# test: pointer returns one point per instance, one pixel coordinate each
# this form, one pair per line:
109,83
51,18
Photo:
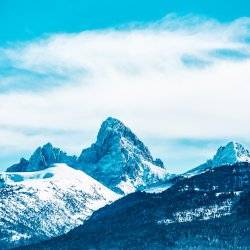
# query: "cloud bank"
177,78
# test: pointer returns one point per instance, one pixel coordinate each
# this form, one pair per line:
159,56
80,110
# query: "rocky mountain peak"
119,159
231,153
114,132
42,158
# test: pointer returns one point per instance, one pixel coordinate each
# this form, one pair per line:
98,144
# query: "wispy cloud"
177,78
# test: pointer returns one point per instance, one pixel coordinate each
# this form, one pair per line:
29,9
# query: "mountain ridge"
204,211
42,158
47,203
43,191
229,154
118,159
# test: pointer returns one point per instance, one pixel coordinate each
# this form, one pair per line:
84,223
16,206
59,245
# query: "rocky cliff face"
42,158
119,160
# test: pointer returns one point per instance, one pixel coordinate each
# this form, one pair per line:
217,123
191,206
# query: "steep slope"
206,211
119,160
39,205
230,154
42,158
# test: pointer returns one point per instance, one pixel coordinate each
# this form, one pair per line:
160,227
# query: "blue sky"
176,73
27,19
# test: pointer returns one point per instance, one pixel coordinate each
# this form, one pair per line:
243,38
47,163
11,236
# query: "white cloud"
136,74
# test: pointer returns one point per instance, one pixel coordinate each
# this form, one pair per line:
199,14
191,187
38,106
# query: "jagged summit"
114,131
109,128
112,123
231,153
114,127
120,160
42,158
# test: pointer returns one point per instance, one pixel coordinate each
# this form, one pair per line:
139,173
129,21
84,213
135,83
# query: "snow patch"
19,236
201,213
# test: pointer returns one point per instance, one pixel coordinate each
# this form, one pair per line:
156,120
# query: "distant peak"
111,122
48,145
113,130
112,119
23,160
112,126
233,147
231,153
41,150
230,146
43,157
238,146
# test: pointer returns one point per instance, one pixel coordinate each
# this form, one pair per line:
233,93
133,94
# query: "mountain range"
118,159
207,211
54,194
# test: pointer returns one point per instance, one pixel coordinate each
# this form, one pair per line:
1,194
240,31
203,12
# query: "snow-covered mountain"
43,204
229,154
50,194
42,158
119,160
205,211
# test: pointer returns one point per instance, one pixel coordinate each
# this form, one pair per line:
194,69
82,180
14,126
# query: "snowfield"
44,204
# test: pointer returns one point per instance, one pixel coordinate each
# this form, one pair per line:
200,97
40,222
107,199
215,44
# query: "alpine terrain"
42,158
115,195
119,160
50,194
207,211
230,154
38,205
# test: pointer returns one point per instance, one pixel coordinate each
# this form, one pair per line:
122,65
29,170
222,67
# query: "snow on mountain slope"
206,211
119,160
159,188
230,154
39,205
